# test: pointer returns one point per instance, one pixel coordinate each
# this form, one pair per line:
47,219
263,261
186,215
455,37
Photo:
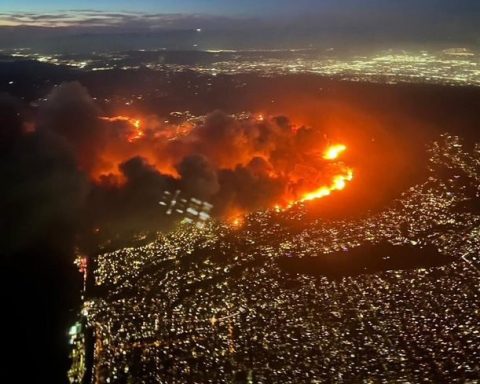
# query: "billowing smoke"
43,191
71,114
70,167
198,177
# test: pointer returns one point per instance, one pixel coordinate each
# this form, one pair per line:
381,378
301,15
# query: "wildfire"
318,174
339,182
138,133
136,125
236,220
334,151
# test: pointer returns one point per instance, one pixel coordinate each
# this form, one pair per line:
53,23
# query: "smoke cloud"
68,166
43,191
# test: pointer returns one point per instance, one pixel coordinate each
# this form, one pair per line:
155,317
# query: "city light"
246,304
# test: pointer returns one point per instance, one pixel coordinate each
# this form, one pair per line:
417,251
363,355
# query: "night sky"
233,24
225,7
308,20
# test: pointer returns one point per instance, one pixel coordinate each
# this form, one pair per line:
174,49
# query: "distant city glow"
454,66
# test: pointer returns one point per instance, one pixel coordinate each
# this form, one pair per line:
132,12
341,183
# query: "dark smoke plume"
42,200
198,177
68,166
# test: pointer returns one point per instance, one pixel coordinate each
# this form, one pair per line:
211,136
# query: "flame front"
334,151
339,182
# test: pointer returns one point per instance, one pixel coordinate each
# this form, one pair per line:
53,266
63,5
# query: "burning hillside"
239,163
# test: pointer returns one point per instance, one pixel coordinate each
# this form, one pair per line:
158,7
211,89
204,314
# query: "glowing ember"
138,131
117,118
237,222
334,151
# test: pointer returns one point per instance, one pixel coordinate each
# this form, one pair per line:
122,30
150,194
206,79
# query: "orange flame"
236,222
138,134
334,151
136,124
339,182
